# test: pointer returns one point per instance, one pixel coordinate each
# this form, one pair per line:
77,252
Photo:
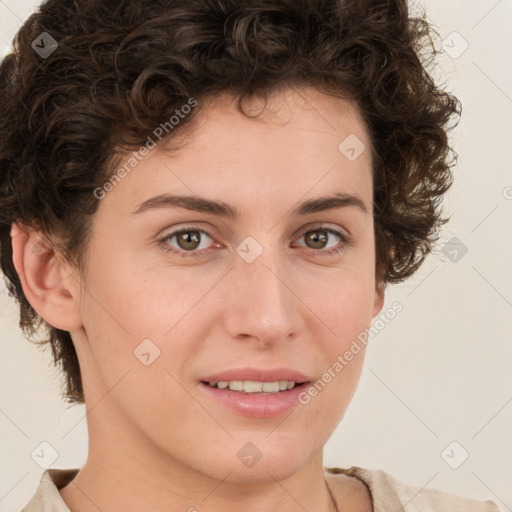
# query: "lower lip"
256,405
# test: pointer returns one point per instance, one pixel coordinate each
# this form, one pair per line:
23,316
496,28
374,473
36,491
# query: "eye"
188,240
318,239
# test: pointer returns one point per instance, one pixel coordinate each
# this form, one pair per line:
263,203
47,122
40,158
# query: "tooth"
270,387
236,385
252,386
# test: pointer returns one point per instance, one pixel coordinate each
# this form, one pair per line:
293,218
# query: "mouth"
251,386
254,399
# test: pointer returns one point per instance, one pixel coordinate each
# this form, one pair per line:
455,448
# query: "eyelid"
199,226
343,234
323,225
171,234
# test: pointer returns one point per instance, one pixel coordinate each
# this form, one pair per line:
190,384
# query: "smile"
250,386
254,399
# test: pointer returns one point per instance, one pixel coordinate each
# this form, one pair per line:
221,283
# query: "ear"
379,298
47,284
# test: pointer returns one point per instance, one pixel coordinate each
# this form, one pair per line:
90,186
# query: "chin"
275,468
256,458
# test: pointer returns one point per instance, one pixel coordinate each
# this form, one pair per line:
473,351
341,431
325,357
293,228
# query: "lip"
256,405
258,375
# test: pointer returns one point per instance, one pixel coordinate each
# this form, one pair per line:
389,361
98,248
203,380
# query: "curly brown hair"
122,68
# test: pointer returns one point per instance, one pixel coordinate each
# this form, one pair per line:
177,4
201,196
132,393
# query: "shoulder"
389,493
47,496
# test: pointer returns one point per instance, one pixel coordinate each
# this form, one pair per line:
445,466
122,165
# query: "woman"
203,202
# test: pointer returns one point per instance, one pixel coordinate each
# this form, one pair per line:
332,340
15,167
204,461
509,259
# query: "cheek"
142,319
128,302
130,356
328,398
341,313
341,300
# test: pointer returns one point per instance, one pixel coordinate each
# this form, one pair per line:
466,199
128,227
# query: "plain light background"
437,381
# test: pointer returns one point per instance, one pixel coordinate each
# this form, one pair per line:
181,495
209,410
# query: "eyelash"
346,241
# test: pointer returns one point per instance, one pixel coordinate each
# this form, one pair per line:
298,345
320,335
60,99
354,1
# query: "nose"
263,305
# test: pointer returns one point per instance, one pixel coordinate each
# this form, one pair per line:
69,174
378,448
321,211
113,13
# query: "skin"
156,441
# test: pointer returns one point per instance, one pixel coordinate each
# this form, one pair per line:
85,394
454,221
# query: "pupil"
189,239
315,238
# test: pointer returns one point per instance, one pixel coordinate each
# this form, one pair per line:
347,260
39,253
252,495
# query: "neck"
111,486
125,471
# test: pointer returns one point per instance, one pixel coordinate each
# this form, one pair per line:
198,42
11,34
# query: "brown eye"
317,239
188,240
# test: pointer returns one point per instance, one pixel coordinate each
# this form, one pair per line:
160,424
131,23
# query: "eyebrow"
222,209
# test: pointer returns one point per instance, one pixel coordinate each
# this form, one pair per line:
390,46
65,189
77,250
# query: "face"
271,292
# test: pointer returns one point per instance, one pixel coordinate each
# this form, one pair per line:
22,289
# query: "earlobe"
51,291
379,298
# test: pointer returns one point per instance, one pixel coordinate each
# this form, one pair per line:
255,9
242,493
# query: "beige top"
388,493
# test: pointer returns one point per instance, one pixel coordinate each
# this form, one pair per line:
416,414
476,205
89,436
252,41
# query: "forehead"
303,112
295,142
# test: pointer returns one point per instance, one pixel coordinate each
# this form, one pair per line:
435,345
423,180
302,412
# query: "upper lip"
258,375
